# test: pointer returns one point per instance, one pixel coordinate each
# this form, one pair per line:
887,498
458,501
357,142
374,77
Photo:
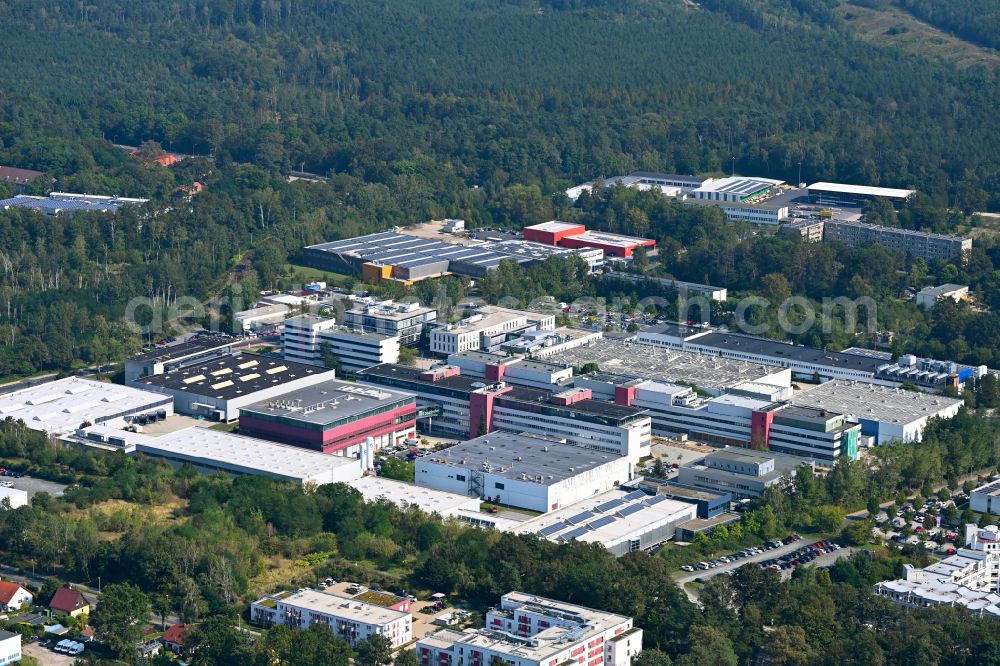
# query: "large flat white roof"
343,607
555,226
61,406
862,190
244,455
887,404
373,488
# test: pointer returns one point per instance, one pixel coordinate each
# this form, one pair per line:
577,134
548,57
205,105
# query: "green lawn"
305,274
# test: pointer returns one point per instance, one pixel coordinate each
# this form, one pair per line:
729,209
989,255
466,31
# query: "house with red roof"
175,637
69,602
13,596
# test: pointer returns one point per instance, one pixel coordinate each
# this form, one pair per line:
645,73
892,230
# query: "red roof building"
175,636
69,602
13,596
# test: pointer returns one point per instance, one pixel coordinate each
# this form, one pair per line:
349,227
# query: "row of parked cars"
746,552
66,646
803,555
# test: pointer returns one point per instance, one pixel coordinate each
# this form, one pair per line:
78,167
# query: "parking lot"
34,486
789,550
45,656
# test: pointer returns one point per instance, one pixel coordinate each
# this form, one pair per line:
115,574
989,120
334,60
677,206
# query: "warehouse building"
811,362
854,196
986,498
70,204
487,329
928,297
63,406
408,495
667,184
709,372
970,577
217,388
167,359
522,470
333,417
406,321
742,473
210,451
533,631
736,189
576,236
303,338
466,407
347,618
621,521
922,244
887,414
542,344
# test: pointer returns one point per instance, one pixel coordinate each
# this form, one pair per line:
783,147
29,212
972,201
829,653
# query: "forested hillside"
975,20
419,109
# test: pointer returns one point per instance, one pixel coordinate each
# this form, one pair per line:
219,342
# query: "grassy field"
304,274
891,26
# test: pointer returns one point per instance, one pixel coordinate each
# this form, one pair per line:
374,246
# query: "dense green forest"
975,20
480,110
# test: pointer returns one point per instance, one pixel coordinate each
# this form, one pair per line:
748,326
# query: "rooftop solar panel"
629,510
600,522
569,536
634,495
552,529
607,506
653,501
580,517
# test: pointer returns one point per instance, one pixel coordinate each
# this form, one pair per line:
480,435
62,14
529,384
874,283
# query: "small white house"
10,647
13,596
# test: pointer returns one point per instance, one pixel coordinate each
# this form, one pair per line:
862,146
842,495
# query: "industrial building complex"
70,204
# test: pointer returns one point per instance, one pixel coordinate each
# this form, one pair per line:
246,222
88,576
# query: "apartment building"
916,243
525,630
347,618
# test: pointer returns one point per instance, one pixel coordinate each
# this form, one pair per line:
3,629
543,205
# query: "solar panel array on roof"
634,495
607,506
572,534
600,522
580,517
629,510
653,501
552,529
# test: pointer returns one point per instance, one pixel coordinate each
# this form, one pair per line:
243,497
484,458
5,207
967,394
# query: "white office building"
264,316
10,647
304,336
520,470
929,296
970,577
526,630
515,370
986,498
487,329
347,618
405,321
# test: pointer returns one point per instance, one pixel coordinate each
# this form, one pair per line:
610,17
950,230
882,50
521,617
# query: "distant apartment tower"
533,631
916,243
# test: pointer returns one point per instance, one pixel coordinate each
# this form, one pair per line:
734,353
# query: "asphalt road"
34,486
